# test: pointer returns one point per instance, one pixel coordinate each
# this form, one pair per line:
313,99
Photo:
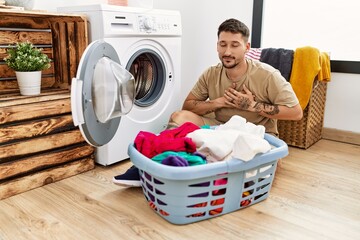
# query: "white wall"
52,5
329,25
342,109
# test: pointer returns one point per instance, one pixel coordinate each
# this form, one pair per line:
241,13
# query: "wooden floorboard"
315,195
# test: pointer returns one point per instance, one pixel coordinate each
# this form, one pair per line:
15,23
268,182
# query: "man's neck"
236,73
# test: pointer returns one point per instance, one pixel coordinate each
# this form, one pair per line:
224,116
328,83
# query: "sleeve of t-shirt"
200,89
282,91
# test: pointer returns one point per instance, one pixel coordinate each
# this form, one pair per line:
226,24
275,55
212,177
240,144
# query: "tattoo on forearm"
258,107
196,102
273,110
267,108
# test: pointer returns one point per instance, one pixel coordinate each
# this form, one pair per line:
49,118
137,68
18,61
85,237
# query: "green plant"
24,57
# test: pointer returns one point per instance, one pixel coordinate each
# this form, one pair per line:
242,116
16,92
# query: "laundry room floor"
315,195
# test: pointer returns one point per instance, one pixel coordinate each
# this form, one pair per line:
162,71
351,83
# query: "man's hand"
243,100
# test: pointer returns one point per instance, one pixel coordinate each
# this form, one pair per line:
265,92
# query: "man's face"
231,49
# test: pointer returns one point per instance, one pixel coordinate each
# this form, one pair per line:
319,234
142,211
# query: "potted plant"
27,4
27,61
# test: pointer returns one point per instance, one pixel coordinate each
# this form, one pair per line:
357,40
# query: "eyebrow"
231,42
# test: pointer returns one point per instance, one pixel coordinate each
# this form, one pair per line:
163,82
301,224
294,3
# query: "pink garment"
254,53
175,140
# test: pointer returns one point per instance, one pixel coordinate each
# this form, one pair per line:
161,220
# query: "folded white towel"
236,138
239,123
246,146
215,145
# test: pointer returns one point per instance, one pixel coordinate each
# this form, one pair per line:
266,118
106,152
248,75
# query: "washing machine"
128,78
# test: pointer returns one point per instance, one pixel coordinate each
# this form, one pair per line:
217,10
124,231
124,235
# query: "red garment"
175,140
180,131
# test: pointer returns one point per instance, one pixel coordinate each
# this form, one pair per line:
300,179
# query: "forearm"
277,111
201,107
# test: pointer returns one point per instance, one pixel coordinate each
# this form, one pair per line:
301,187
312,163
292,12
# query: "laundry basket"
307,131
184,195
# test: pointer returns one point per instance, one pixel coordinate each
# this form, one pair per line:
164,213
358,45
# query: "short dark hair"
234,26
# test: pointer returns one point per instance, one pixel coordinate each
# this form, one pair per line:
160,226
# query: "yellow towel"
325,72
305,67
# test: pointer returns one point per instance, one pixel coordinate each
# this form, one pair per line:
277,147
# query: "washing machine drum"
101,93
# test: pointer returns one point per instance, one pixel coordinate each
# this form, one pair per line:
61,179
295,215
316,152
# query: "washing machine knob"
148,24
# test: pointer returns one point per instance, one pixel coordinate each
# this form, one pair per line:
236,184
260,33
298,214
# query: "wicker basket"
308,130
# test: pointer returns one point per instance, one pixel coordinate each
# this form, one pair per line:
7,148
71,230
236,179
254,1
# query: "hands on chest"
243,99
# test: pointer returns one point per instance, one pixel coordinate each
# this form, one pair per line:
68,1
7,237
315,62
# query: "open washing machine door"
101,93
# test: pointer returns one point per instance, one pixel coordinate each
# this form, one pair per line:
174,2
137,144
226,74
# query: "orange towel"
305,68
325,72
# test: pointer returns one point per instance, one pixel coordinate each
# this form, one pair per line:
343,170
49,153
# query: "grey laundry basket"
184,195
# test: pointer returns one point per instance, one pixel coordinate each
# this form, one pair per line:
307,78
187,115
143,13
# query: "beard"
227,64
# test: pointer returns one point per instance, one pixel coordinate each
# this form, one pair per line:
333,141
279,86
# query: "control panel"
113,21
157,24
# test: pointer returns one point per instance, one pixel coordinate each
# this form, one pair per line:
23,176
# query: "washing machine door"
101,93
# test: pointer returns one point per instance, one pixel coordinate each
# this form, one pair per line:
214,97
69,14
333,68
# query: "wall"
342,110
45,5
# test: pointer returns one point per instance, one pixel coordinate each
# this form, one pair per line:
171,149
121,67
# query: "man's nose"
227,51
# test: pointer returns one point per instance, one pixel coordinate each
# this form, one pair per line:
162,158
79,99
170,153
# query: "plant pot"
27,4
29,82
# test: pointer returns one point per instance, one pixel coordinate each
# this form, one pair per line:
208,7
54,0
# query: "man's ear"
247,46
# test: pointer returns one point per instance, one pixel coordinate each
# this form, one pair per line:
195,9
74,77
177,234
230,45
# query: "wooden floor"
315,195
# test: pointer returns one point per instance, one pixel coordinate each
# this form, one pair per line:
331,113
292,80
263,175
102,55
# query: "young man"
236,86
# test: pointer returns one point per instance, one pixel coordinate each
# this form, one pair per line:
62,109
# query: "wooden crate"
38,142
308,130
63,38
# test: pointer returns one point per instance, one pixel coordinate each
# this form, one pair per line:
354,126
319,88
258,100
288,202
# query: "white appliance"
147,43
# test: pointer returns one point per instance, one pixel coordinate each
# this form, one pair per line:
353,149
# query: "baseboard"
341,135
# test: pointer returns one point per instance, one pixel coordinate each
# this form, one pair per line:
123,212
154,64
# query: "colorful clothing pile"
171,147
